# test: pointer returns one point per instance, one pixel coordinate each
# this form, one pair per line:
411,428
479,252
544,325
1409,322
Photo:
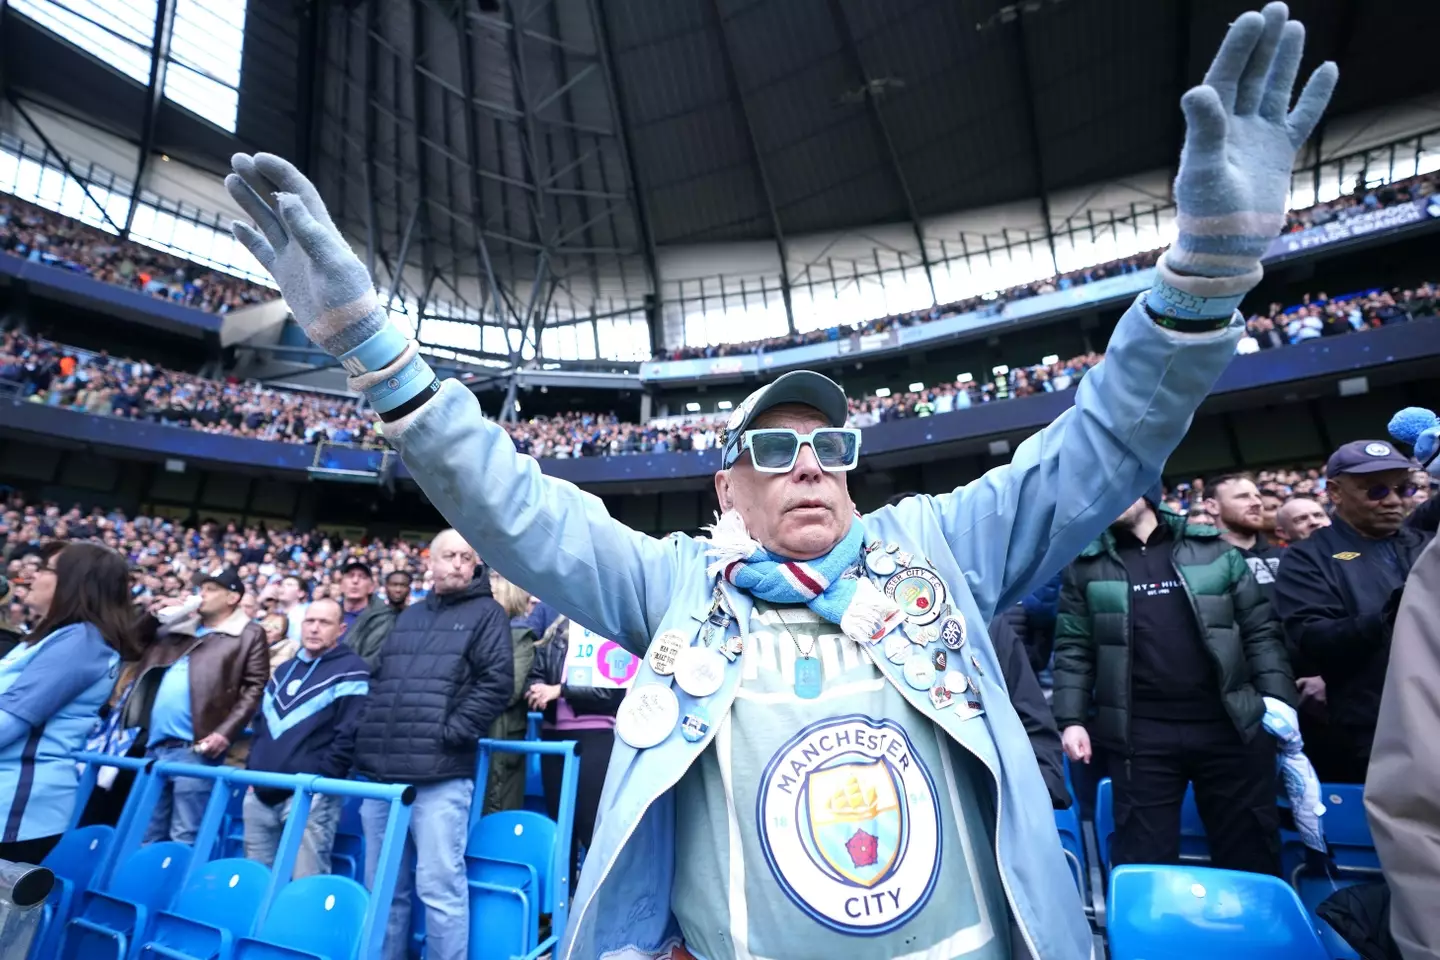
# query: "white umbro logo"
1377,450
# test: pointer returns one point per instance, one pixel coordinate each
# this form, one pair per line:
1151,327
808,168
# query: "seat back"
150,876
1180,912
1194,845
322,915
1347,830
224,893
1067,822
520,836
78,854
1104,820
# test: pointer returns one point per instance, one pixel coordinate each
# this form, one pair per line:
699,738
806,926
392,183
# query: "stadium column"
154,95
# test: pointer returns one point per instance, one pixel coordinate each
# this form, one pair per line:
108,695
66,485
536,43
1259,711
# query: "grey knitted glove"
325,284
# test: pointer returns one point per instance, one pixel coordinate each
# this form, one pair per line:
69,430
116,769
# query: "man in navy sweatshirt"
307,721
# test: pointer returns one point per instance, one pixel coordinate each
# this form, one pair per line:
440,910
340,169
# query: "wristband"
411,405
1170,302
375,353
412,380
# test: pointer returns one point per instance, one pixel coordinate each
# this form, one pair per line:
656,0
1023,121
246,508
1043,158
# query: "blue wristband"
382,348
1166,300
407,383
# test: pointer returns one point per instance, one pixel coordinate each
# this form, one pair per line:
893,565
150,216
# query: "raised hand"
1241,140
325,284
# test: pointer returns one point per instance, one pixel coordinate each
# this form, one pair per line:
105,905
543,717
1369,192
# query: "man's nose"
807,465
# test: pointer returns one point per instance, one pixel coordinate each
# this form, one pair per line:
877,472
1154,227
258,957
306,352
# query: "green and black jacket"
1093,633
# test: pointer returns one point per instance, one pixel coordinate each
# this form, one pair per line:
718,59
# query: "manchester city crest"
850,825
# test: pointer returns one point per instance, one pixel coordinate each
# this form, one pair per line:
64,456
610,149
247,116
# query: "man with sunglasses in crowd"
817,756
1337,593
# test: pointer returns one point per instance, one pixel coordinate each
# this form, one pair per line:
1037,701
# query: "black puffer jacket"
443,676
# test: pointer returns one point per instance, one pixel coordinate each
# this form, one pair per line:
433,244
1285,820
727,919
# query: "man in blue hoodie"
307,721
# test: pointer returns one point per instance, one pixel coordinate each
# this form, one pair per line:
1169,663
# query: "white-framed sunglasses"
775,449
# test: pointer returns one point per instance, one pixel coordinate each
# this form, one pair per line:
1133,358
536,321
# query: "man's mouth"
808,505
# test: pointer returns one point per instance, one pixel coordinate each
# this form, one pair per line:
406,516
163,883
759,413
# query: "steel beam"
620,118
64,163
372,214
422,173
314,43
882,131
732,84
154,96
1032,128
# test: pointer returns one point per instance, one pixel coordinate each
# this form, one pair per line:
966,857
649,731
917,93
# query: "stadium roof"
545,148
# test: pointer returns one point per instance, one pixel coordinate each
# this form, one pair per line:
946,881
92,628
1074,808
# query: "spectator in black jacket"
1007,634
575,709
1235,504
1337,593
307,721
445,673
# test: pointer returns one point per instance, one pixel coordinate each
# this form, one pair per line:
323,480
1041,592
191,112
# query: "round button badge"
952,633
664,650
919,594
699,671
919,671
647,715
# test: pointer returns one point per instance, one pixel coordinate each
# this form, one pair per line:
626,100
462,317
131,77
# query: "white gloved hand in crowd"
1302,785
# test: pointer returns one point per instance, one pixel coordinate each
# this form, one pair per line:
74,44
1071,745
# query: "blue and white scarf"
852,602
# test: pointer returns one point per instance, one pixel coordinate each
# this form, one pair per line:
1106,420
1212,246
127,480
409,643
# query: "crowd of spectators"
988,304
1362,199
97,383
36,234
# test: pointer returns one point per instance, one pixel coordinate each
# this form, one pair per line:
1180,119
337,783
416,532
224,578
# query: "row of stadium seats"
116,899
1160,912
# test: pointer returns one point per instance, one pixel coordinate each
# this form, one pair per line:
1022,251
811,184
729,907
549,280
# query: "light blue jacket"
991,542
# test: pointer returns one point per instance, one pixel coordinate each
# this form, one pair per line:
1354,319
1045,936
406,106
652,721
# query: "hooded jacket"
368,632
445,673
1093,637
991,541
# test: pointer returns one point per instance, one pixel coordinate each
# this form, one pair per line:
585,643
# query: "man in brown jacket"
200,683
1402,790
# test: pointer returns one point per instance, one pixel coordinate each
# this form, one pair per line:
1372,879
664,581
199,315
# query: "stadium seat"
74,861
509,865
1194,845
112,924
534,785
1104,821
347,857
317,917
218,904
1068,823
1347,833
1184,912
232,827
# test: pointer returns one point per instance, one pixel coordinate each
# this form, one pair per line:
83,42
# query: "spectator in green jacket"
1165,646
368,619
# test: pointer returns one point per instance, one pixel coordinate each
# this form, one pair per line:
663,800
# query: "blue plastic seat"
1194,845
1347,833
1183,912
218,905
113,923
1104,821
317,917
74,861
509,866
232,826
1067,822
347,857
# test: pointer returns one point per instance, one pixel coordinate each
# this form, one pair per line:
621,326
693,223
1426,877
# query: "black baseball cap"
1367,456
798,386
354,564
227,577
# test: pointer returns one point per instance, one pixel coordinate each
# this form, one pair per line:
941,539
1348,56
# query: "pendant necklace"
808,679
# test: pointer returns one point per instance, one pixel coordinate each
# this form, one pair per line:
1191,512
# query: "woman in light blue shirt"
51,689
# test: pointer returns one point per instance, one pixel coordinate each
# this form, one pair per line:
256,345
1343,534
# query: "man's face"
397,589
1299,518
216,601
250,604
1237,505
290,591
452,562
1270,504
1372,503
321,629
357,585
800,514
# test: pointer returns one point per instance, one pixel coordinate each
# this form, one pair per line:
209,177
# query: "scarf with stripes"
852,602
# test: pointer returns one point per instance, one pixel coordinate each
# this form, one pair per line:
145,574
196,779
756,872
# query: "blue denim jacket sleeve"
545,534
1020,523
